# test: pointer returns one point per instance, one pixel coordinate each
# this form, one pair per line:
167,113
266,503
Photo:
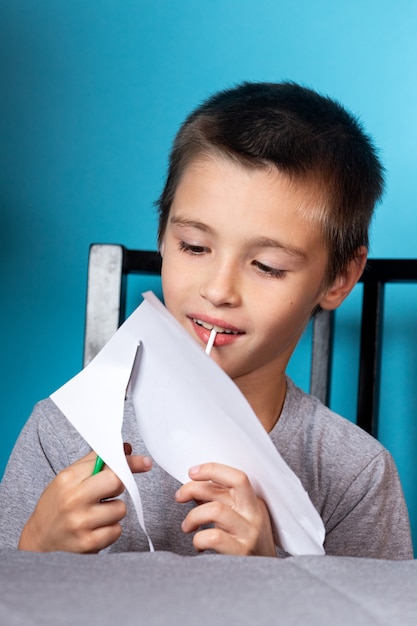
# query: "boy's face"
239,255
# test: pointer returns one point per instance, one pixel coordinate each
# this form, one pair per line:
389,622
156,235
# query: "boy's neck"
266,397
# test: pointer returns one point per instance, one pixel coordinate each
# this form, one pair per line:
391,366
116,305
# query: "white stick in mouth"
211,341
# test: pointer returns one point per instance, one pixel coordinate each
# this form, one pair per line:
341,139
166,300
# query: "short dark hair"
303,134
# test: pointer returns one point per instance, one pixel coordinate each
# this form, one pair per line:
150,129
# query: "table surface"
160,589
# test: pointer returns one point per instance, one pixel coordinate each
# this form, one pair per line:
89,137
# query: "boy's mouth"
218,329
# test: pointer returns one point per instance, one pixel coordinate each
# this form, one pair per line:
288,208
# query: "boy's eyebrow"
267,242
182,221
257,242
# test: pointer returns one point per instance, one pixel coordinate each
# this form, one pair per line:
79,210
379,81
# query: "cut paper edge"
93,402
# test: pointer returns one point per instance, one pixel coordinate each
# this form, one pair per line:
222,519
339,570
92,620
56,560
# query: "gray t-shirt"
350,478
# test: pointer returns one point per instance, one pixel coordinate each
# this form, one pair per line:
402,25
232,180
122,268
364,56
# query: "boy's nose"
220,286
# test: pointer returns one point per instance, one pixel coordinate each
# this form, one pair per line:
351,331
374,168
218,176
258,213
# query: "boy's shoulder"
306,422
331,455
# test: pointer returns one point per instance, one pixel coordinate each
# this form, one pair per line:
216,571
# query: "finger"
86,458
215,513
203,491
107,513
232,533
106,536
85,464
76,473
139,463
84,467
127,448
219,541
101,486
107,484
240,488
93,541
219,473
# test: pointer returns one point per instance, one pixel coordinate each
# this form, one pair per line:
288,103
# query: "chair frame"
110,264
377,274
108,268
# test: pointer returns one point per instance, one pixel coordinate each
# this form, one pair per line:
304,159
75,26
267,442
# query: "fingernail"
194,470
147,462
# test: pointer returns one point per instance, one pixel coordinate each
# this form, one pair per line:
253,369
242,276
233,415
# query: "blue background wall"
91,94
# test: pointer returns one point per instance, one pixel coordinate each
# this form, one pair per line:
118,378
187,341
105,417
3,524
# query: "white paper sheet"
189,412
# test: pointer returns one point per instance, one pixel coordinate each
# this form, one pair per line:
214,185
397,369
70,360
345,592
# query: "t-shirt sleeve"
371,518
38,455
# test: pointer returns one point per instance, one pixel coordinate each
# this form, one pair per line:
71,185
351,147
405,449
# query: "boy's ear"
161,248
345,282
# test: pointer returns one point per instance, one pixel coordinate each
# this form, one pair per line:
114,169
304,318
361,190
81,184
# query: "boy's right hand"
71,515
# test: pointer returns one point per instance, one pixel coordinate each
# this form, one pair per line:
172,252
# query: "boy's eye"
268,271
191,248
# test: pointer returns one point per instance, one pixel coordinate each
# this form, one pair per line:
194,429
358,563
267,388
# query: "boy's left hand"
241,520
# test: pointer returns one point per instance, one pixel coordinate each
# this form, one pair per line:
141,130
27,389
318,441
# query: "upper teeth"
218,329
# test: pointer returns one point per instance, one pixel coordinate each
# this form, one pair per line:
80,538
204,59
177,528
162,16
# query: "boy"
264,219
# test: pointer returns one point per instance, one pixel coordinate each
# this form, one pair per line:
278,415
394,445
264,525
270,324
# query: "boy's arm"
241,522
38,455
